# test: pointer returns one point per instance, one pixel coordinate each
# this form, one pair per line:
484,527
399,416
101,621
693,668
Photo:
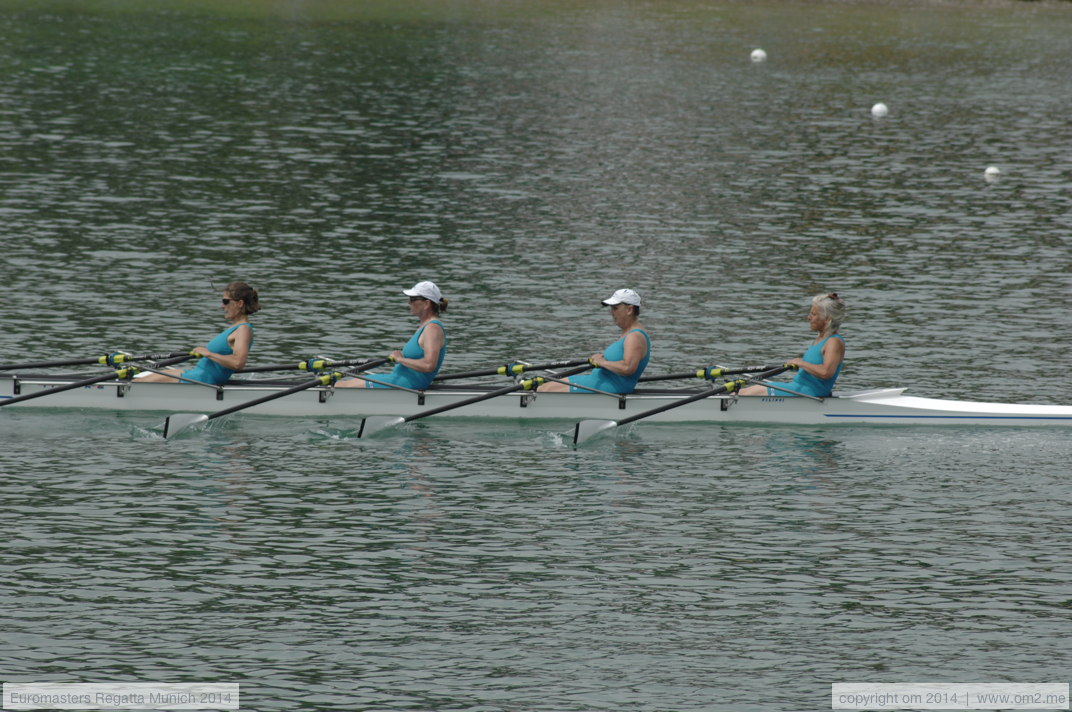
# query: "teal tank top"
406,376
808,384
207,370
605,380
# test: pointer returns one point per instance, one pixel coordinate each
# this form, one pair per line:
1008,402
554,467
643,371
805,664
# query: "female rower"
821,363
229,350
620,365
418,362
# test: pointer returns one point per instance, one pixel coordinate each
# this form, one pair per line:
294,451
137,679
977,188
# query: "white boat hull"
887,406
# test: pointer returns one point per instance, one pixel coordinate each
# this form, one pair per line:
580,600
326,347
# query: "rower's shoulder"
837,345
432,326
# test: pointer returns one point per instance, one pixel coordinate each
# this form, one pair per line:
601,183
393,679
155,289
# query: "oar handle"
512,369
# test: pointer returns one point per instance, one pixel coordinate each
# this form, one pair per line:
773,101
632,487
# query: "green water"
531,158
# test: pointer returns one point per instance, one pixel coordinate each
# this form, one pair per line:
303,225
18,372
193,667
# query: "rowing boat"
883,405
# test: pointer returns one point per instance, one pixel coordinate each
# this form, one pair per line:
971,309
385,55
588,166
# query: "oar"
708,373
313,364
511,369
587,428
175,424
120,374
112,359
375,423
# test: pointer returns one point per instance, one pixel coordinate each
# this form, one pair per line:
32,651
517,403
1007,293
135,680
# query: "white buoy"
991,174
879,110
759,55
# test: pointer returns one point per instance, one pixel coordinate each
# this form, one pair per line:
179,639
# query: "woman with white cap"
621,364
418,362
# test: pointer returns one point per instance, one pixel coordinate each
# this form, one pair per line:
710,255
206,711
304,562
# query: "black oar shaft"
266,369
307,365
106,360
715,390
120,374
323,380
512,369
707,372
724,388
490,394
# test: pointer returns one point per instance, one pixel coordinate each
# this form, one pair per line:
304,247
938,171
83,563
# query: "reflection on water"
300,562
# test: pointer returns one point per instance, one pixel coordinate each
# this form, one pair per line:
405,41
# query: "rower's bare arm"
635,348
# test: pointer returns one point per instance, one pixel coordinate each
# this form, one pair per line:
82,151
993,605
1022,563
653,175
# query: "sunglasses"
418,299
227,301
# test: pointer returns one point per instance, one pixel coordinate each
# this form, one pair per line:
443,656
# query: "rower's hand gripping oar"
375,423
121,374
175,424
112,359
585,429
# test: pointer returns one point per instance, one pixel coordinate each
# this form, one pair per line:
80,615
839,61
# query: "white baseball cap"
623,296
426,289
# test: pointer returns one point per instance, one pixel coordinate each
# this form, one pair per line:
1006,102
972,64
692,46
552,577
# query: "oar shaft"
266,369
724,388
512,369
307,365
106,360
66,387
707,372
714,390
490,394
467,401
120,374
324,380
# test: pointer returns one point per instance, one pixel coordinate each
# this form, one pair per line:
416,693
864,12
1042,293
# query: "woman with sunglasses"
418,362
229,350
819,367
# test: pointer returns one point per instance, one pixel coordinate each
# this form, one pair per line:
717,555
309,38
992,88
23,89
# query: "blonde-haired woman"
821,363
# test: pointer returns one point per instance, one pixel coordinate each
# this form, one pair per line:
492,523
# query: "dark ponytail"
248,295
